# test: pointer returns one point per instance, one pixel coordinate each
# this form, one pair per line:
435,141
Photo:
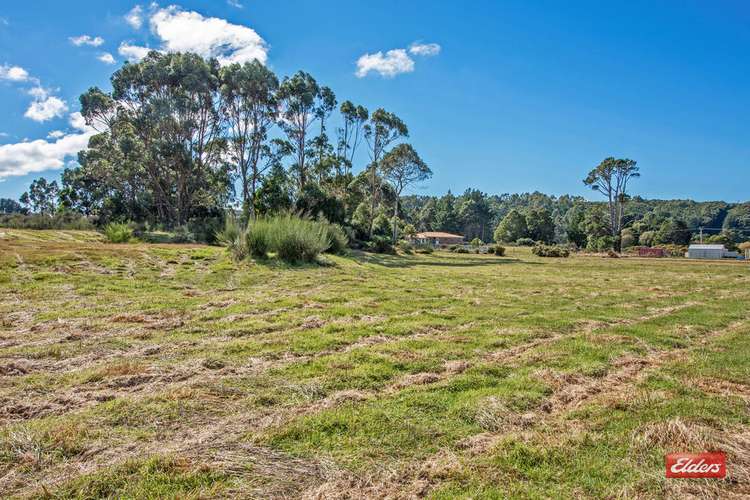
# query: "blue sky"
522,95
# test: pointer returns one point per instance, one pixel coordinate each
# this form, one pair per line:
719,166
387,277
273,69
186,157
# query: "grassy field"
170,371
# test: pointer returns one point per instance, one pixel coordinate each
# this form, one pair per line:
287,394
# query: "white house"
710,252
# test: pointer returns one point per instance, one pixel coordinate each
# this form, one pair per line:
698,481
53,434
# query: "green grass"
153,371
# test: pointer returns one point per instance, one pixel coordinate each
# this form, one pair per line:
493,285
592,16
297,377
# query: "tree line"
180,139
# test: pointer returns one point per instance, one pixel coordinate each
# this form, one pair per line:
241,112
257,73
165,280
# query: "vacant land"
170,371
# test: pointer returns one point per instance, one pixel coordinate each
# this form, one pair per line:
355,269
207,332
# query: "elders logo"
713,464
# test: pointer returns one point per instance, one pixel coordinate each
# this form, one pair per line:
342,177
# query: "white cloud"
135,17
424,49
234,3
86,40
4,21
36,156
187,31
133,53
44,107
13,73
55,134
394,62
106,58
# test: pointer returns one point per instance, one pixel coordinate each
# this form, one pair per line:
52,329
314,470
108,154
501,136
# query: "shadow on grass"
402,261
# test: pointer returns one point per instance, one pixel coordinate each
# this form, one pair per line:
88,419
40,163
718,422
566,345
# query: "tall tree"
610,178
382,130
403,166
302,103
350,134
250,108
41,196
512,227
171,102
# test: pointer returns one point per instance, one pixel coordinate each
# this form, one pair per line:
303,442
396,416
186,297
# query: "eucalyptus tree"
249,106
402,166
302,102
610,178
350,134
171,102
382,130
41,196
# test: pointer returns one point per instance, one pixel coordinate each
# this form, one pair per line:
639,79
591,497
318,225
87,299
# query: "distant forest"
573,219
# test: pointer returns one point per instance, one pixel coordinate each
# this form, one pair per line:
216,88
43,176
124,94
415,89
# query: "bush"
476,242
460,250
380,244
233,237
499,250
426,249
525,242
405,246
59,220
600,244
339,241
118,233
296,239
258,238
543,250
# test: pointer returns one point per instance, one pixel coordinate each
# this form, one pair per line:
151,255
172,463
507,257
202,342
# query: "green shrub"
543,250
476,242
233,237
296,239
59,220
405,246
499,250
380,244
424,248
460,250
118,233
339,241
525,242
258,238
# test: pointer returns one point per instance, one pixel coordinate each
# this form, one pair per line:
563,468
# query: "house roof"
438,234
706,247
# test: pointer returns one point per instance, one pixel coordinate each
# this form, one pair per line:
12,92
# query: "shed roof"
437,234
706,247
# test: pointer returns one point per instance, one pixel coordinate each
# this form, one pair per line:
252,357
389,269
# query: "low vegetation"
156,371
290,237
542,250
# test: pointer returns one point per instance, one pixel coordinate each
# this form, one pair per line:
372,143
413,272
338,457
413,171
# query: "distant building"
437,238
710,252
651,252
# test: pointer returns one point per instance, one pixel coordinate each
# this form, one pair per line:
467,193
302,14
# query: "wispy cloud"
36,156
132,53
86,40
234,3
390,64
135,17
394,62
13,73
106,58
424,49
45,106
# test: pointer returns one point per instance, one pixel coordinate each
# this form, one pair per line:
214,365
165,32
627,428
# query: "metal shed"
706,252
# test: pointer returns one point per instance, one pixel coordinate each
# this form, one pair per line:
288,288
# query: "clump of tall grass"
233,237
292,238
295,239
118,233
339,241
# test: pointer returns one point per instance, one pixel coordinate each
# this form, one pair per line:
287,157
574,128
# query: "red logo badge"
710,464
